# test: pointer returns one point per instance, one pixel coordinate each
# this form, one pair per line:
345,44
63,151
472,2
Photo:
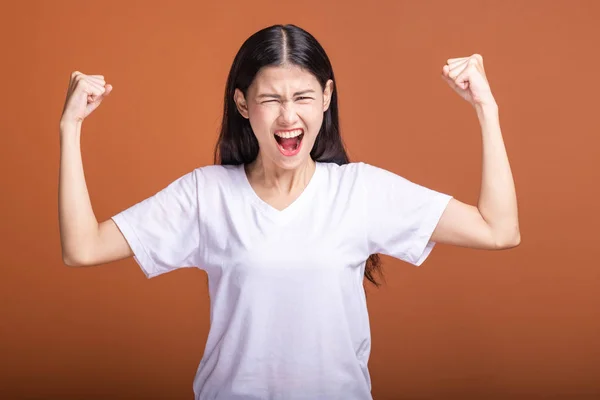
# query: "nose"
288,115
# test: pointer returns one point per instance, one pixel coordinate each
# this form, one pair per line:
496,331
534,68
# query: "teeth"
289,134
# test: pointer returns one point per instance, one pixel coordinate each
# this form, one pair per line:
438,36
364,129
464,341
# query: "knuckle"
82,85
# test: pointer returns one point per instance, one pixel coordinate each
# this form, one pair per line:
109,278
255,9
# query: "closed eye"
298,98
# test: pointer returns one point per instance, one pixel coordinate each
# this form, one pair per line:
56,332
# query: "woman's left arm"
494,223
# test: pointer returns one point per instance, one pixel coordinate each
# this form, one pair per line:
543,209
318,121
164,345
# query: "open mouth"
289,143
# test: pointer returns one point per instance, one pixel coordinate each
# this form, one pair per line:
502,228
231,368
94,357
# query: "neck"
271,177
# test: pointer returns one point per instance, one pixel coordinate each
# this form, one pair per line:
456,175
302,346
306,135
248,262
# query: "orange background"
468,324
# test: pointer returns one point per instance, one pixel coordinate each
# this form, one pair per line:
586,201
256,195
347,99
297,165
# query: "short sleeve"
163,230
401,215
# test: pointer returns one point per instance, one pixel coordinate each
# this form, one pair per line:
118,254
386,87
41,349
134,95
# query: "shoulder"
217,173
205,176
346,180
368,178
350,169
355,171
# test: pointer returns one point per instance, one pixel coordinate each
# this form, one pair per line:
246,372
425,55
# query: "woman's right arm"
84,241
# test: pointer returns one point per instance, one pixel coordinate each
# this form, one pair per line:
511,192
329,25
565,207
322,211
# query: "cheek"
314,120
261,120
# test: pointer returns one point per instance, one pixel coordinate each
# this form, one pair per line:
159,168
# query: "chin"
291,163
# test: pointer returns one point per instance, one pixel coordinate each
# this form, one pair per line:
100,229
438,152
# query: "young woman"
284,225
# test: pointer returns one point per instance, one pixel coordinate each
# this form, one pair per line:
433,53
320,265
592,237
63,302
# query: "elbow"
514,242
71,261
509,241
76,254
67,257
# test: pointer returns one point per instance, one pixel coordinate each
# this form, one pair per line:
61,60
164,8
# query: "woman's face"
285,106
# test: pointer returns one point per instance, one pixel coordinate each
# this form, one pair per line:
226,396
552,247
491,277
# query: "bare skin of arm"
494,223
84,241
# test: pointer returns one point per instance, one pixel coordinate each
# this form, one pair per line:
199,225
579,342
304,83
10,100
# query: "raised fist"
85,94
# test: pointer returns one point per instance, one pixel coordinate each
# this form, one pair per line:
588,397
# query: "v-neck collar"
272,212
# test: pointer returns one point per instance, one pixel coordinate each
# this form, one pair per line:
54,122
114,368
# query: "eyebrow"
276,96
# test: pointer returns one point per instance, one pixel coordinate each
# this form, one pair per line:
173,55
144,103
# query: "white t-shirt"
288,313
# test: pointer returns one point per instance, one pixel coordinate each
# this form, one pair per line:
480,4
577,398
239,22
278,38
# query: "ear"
240,102
327,93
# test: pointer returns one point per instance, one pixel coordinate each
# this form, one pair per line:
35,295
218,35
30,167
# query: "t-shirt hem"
418,254
141,256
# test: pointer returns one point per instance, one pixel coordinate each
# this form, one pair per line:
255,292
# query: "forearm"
77,222
497,200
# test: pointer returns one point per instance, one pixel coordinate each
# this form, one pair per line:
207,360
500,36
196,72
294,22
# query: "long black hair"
274,46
